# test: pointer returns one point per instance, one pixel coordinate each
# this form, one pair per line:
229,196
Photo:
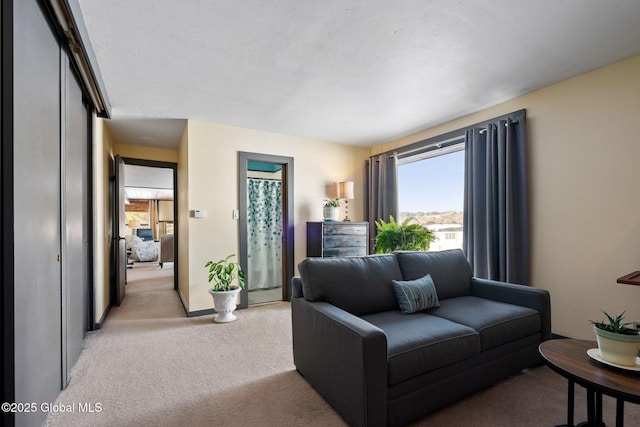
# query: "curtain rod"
507,123
459,133
376,157
265,179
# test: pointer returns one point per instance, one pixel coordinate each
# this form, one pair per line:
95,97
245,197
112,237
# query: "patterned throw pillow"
416,295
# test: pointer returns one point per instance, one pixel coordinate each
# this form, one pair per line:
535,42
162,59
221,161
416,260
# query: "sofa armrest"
525,296
296,287
344,358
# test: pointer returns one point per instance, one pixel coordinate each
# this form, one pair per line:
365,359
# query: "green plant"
615,325
223,273
331,203
397,237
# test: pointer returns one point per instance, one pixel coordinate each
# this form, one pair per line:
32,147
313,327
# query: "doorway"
266,227
145,214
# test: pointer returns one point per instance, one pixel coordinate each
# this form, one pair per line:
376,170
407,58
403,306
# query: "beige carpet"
152,366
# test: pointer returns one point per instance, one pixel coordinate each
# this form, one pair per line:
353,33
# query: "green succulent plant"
615,325
402,237
222,273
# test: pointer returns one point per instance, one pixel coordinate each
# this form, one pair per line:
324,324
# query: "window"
431,192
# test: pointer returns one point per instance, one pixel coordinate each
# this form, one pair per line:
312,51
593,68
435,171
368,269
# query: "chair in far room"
144,233
166,249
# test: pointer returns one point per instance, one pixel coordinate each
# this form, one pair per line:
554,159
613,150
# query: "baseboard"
184,306
200,312
206,312
99,324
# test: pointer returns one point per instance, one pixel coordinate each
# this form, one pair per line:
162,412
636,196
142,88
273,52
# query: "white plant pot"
224,302
330,213
617,348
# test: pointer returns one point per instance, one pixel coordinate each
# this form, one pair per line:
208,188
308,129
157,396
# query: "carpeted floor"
150,365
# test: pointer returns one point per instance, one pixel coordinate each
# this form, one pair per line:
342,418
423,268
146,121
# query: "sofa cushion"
450,270
359,285
498,323
421,343
416,295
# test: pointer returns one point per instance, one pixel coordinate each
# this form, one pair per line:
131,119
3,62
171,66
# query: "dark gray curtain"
496,226
381,189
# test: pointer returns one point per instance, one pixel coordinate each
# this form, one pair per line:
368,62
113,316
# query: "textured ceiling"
145,182
358,72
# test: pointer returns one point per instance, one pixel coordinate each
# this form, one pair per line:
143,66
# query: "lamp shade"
134,224
346,190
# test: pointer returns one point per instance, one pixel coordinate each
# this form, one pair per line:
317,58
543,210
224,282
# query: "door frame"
174,167
287,221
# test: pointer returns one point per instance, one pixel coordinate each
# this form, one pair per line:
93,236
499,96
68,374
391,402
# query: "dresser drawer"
344,252
337,239
340,229
344,240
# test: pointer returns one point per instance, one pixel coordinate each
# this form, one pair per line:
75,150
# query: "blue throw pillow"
416,295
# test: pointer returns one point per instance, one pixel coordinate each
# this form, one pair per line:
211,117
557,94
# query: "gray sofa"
378,366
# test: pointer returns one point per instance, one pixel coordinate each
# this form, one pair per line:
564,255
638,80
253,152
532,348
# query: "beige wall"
145,153
584,178
103,153
183,217
212,158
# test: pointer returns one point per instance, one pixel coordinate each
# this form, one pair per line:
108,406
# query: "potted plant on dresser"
331,209
224,275
617,343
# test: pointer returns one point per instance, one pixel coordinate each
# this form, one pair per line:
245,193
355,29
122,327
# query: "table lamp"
346,193
134,224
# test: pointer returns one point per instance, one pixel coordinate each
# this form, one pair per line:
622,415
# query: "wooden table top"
569,358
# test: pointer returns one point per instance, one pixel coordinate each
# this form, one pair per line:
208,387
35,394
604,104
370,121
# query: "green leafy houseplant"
397,237
615,325
222,273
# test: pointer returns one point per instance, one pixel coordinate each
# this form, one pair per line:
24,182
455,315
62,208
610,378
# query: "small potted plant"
402,237
618,344
331,209
224,292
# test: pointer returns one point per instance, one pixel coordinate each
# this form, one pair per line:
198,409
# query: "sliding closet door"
74,219
37,243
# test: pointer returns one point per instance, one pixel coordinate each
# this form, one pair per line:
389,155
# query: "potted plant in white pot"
331,209
617,343
224,292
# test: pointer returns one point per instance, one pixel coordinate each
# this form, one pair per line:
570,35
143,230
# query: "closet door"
37,267
74,219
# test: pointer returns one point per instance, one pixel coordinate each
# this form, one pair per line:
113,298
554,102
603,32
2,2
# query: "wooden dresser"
337,239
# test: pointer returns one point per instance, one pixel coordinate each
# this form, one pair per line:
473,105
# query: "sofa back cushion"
359,285
450,270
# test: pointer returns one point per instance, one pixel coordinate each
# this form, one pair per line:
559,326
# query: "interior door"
36,191
75,279
286,164
118,232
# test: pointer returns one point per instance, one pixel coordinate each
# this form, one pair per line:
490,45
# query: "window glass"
431,192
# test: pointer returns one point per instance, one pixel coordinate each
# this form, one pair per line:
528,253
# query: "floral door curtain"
264,234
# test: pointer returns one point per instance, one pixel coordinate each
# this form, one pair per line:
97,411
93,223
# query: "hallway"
152,365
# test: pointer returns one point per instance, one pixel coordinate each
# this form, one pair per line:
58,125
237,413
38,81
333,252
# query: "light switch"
235,214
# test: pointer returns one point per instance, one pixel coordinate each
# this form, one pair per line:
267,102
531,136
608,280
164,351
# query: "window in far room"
137,210
431,191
